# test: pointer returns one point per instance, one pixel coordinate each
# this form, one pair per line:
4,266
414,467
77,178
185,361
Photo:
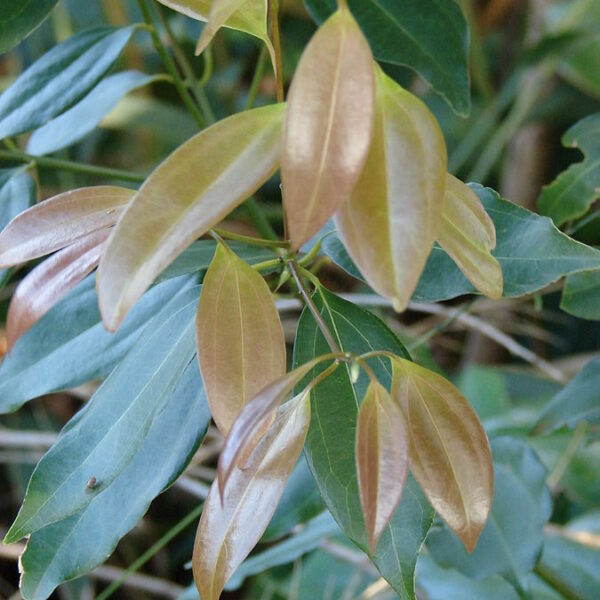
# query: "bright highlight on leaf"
468,235
328,127
381,459
392,218
60,221
186,195
240,341
228,531
449,452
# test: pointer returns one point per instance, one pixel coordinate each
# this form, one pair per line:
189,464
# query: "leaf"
69,346
241,347
239,154
50,281
74,124
396,207
60,221
468,236
19,18
331,438
103,440
60,78
328,125
576,402
230,526
577,68
82,541
580,295
511,541
381,459
449,452
572,193
429,36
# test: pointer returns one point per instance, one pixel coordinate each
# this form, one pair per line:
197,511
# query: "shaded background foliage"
535,74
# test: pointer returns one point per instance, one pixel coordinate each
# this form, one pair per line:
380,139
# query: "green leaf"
104,439
439,583
18,18
572,193
511,541
429,36
74,124
577,68
52,356
77,544
580,295
331,437
578,401
60,78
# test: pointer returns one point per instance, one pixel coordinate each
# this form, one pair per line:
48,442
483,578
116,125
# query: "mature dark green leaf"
331,437
52,356
511,541
18,18
572,193
74,124
529,248
439,583
60,78
82,541
580,296
576,402
429,36
103,440
577,68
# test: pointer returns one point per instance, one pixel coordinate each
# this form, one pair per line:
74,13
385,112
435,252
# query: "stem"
257,78
231,235
293,267
275,38
74,167
154,549
170,66
562,588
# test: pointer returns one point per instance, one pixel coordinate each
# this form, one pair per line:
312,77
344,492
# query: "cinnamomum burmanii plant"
176,311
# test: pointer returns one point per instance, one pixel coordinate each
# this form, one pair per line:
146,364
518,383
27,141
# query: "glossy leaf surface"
332,435
396,207
238,155
60,78
229,528
82,541
572,193
19,18
241,348
74,124
104,441
50,281
449,452
468,236
328,125
60,221
381,459
429,36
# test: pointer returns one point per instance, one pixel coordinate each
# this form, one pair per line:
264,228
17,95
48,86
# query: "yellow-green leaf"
241,347
392,219
468,235
328,126
449,453
60,221
229,530
186,195
381,459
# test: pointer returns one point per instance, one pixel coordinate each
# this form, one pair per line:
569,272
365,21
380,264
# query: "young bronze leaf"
392,219
449,453
255,419
192,190
328,126
240,341
381,459
43,287
228,531
468,235
59,221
